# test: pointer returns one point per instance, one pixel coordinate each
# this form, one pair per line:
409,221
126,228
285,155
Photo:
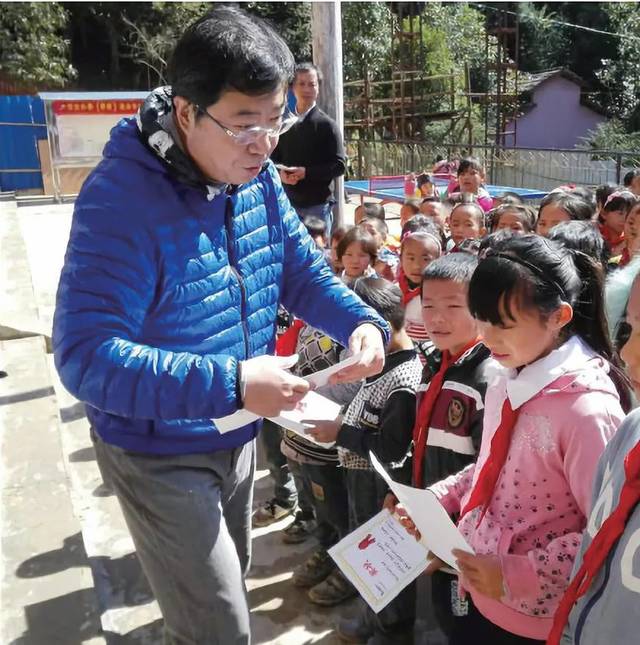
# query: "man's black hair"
383,296
225,50
305,68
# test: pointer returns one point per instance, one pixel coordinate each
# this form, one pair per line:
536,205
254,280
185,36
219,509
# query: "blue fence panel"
19,143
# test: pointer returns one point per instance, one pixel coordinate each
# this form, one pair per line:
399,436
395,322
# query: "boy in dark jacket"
448,429
380,419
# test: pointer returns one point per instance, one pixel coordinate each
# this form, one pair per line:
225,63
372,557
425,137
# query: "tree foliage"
33,47
366,40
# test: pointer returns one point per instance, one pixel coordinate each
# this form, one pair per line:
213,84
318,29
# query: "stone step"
47,585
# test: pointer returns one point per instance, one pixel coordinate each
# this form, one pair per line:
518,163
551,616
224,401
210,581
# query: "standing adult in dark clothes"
310,155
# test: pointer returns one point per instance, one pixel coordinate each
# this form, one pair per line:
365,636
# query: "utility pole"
326,28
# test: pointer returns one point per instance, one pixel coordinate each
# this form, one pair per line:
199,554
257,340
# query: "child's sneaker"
314,570
270,512
300,529
332,591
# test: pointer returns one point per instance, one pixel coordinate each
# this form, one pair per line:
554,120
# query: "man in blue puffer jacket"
182,246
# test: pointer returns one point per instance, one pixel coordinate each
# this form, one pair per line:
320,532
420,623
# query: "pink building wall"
557,119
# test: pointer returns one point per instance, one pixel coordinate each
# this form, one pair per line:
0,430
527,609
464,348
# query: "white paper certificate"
380,558
438,533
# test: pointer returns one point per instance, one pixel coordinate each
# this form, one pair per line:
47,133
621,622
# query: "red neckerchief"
612,238
425,410
603,541
625,257
486,483
408,292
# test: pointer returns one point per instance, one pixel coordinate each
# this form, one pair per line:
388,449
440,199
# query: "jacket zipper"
228,217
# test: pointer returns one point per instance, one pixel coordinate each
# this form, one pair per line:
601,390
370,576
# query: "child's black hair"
575,207
412,203
383,296
423,178
428,200
456,267
539,274
474,206
603,191
339,232
630,176
470,163
582,236
620,201
419,222
509,197
493,240
379,224
585,194
422,223
525,214
372,209
315,226
362,237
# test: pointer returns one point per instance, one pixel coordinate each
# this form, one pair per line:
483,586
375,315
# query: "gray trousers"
190,520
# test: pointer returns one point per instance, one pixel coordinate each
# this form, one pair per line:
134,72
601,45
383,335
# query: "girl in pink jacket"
549,413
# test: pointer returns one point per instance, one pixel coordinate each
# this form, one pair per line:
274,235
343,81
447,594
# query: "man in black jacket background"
310,155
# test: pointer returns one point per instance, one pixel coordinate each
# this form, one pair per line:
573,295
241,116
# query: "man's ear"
185,113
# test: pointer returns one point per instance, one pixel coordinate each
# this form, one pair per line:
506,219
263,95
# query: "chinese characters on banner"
66,107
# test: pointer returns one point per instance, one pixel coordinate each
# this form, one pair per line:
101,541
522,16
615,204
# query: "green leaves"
33,47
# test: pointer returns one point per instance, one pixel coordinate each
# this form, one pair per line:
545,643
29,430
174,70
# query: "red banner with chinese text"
128,106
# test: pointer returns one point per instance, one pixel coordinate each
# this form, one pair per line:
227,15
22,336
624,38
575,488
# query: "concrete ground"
70,574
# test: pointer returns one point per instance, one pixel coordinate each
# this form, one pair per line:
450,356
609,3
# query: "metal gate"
21,125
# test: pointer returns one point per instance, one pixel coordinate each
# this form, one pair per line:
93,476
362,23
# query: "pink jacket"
570,409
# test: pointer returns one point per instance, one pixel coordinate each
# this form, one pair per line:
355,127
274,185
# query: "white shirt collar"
302,116
524,385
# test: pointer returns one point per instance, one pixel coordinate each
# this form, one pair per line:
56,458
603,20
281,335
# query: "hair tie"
619,193
408,234
532,267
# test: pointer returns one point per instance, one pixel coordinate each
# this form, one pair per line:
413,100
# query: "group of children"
501,388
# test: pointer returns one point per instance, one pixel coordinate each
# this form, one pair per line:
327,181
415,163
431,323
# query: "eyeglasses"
250,135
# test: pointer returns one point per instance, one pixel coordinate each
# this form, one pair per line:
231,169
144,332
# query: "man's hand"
269,389
323,431
367,338
482,572
291,174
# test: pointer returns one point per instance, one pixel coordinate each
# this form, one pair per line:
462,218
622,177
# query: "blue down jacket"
163,292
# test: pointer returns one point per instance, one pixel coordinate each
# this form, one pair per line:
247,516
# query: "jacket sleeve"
310,290
451,491
336,159
547,570
108,283
391,441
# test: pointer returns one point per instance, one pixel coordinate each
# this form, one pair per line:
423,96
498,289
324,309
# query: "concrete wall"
557,120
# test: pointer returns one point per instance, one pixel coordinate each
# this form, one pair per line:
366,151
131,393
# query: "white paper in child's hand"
313,406
318,379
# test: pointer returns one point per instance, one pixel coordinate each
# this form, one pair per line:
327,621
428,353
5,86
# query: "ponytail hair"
539,274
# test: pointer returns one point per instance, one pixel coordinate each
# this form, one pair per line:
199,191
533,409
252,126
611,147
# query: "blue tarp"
18,143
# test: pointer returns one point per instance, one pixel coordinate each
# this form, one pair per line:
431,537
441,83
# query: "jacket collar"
532,379
157,129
